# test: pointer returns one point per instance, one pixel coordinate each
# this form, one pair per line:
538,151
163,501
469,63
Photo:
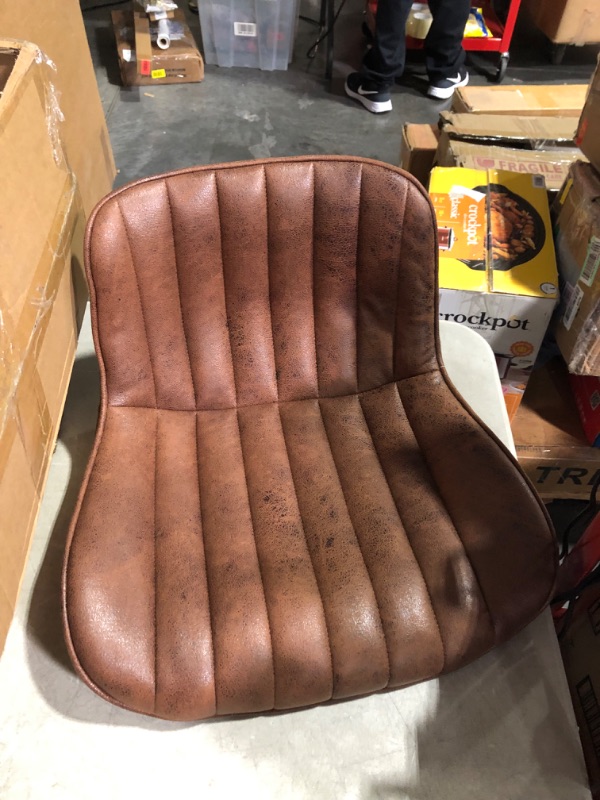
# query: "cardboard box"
565,100
588,132
418,149
586,390
41,302
181,63
577,326
551,445
497,268
580,649
566,21
56,27
530,133
553,165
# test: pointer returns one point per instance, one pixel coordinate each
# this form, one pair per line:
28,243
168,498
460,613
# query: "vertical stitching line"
313,271
269,284
155,565
137,283
197,451
398,283
417,562
356,271
458,536
183,325
310,557
235,390
260,572
154,577
206,570
356,537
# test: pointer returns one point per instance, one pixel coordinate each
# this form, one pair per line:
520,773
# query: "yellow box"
497,267
494,232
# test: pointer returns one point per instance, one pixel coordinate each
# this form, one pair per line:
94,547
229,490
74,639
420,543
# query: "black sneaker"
443,89
373,96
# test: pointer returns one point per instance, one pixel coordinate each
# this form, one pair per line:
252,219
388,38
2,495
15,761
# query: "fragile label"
158,73
592,260
244,29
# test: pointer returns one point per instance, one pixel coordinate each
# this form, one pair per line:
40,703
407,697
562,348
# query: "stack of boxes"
577,330
497,269
524,137
578,247
56,163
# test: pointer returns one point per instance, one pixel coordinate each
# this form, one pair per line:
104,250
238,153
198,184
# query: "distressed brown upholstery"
287,502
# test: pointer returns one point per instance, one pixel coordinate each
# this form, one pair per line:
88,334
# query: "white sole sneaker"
371,105
443,93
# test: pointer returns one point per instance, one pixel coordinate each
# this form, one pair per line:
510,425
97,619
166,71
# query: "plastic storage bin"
248,33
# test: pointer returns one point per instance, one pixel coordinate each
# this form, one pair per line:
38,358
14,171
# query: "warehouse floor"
238,114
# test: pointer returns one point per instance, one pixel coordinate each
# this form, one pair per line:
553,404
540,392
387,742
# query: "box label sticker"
591,263
158,73
244,29
595,400
144,67
126,55
572,307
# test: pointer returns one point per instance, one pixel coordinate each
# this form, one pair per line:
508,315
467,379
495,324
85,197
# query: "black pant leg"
444,54
385,60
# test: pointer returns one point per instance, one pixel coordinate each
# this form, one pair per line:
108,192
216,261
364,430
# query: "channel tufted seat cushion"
287,502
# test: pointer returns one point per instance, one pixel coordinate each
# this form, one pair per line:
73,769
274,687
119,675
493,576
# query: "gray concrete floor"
239,114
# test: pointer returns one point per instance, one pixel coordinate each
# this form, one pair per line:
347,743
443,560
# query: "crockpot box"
497,276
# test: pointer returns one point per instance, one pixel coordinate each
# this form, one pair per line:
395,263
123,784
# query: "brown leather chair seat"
287,501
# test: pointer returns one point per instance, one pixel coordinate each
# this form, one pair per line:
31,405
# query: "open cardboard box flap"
534,132
526,99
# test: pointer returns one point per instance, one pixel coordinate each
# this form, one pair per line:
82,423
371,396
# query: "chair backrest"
264,281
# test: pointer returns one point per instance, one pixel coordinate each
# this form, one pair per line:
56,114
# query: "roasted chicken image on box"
517,231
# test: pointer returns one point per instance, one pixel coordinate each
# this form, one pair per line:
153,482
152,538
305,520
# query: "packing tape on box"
586,352
21,339
49,98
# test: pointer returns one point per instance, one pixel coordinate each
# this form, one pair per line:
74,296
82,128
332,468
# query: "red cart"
498,42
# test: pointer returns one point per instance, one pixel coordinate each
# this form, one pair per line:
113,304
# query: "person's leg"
444,54
384,61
